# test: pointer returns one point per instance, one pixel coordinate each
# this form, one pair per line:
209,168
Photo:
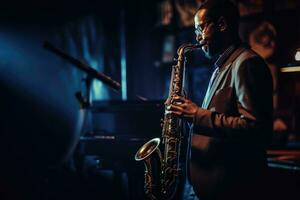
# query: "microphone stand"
85,116
84,67
91,73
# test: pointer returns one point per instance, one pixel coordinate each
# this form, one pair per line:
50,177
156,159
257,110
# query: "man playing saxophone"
232,128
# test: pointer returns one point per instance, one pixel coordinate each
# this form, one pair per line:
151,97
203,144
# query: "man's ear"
222,24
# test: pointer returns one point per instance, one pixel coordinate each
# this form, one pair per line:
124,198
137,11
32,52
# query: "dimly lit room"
150,100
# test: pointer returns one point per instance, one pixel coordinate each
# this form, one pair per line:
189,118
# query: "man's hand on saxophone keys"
182,107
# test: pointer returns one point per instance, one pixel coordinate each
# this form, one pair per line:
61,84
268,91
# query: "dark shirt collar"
224,56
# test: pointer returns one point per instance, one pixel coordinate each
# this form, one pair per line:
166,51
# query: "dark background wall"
91,31
40,117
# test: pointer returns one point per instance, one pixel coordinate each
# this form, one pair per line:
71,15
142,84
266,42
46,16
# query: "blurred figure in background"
263,40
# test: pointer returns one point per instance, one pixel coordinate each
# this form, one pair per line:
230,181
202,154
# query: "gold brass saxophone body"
162,171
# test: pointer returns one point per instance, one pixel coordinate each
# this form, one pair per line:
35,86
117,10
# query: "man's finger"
179,98
177,113
176,108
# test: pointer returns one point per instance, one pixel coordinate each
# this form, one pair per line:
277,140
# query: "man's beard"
212,46
212,49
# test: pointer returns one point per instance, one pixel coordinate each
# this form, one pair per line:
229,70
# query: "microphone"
84,67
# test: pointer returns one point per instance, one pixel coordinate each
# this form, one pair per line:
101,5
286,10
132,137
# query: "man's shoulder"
247,54
241,53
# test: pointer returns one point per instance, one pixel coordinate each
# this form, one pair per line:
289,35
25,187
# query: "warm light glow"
297,55
290,69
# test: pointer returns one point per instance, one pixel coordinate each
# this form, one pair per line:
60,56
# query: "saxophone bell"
147,149
150,154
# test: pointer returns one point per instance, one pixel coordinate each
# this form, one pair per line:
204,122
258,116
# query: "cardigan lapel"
214,86
211,91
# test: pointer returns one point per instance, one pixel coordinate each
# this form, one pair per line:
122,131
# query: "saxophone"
162,172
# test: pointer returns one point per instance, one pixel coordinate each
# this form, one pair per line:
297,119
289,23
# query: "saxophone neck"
184,48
